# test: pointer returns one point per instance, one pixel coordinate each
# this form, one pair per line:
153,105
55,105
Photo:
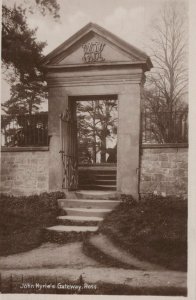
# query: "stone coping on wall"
23,149
172,145
45,148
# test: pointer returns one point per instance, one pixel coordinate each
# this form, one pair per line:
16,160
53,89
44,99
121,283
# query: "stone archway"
95,62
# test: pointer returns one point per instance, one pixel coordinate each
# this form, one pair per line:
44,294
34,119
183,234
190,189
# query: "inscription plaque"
93,52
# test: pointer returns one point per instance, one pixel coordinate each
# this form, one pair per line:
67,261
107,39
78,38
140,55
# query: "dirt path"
66,263
49,255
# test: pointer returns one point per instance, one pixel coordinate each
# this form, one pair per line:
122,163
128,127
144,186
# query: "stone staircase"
82,213
97,178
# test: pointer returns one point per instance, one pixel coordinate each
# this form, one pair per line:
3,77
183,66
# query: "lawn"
23,218
154,230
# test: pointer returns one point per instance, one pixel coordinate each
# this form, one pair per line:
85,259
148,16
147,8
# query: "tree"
25,98
21,55
22,52
20,48
95,120
166,86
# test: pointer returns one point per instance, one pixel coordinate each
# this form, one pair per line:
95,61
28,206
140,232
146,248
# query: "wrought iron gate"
68,133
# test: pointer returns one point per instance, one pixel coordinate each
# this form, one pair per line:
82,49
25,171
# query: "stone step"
87,203
85,212
97,170
94,175
63,228
101,248
99,181
105,182
93,194
98,187
79,221
105,177
65,234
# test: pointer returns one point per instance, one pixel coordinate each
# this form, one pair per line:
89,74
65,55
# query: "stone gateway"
94,64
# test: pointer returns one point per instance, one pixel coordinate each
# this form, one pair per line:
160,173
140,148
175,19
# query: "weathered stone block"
163,157
33,161
165,171
182,164
145,177
18,183
42,186
145,187
165,164
4,171
181,157
156,150
169,150
154,157
42,178
158,177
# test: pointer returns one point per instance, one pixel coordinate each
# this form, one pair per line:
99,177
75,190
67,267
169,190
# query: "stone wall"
24,173
164,171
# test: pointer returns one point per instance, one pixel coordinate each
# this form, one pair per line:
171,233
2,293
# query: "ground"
67,264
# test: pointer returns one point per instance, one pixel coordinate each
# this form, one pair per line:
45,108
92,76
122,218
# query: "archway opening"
97,127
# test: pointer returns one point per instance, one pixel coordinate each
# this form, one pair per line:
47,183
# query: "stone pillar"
57,104
128,141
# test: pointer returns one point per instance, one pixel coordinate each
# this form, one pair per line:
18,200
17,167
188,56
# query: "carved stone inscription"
92,52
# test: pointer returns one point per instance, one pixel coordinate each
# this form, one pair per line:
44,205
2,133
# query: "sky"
131,20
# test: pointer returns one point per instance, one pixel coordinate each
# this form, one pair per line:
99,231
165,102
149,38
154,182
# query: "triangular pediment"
93,45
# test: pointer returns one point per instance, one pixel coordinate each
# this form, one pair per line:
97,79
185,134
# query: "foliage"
154,230
23,218
48,6
29,208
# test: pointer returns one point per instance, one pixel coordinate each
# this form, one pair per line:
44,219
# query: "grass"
23,219
154,230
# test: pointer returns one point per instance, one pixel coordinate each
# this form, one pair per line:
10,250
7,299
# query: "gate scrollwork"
68,134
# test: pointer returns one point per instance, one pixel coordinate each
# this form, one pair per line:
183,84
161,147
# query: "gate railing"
32,130
24,130
164,127
68,152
